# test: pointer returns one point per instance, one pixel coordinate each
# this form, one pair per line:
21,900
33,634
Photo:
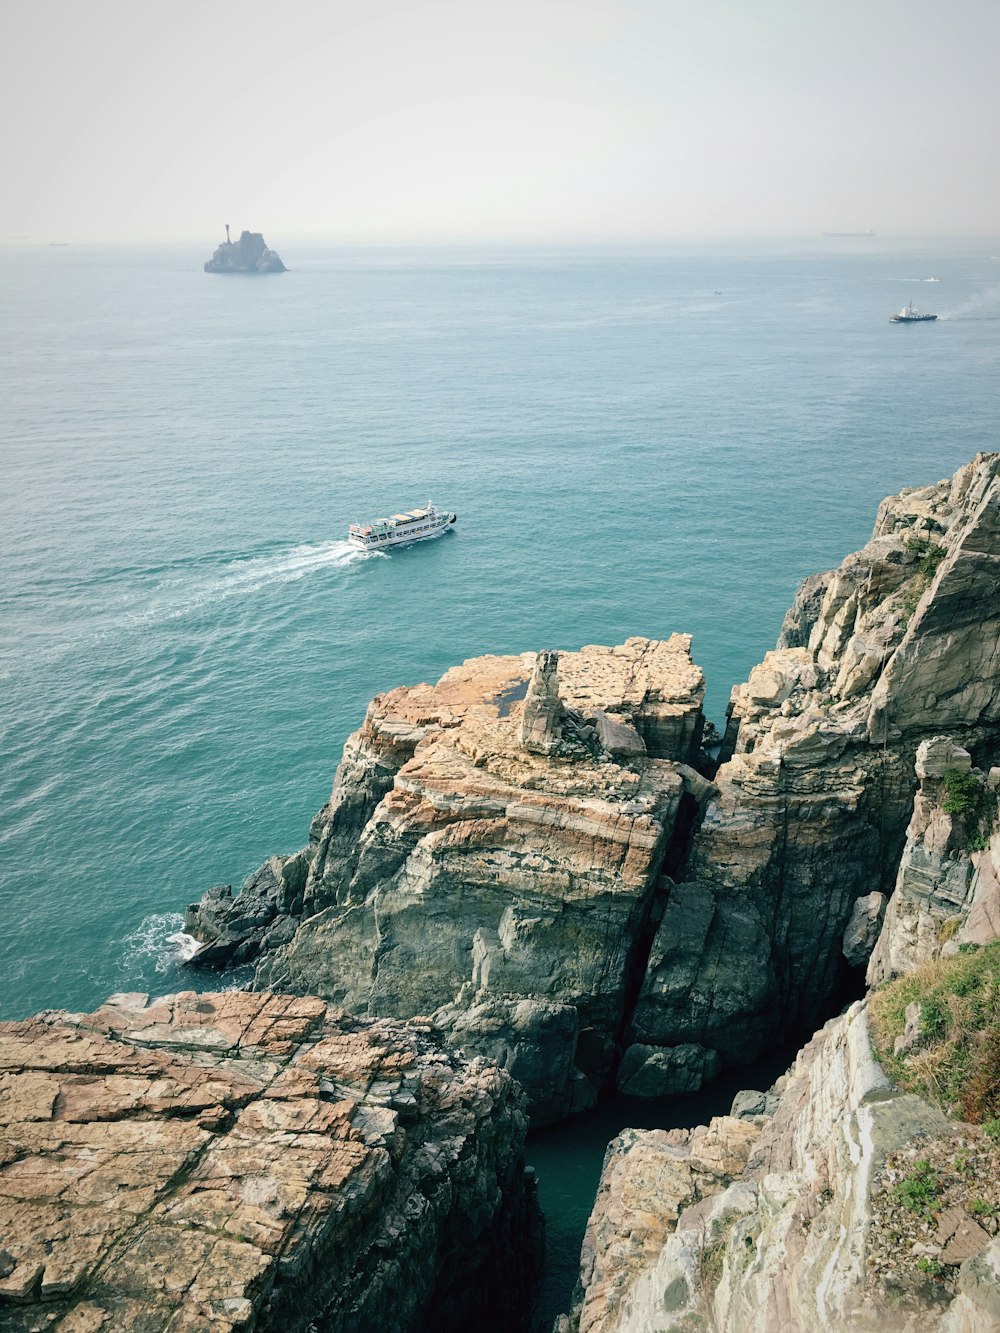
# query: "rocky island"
532,879
247,255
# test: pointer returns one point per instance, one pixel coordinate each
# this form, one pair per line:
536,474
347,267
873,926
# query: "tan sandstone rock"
237,1161
493,839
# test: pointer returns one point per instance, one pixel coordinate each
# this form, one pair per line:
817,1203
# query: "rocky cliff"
947,891
856,812
528,852
860,1207
532,860
253,1162
491,857
800,845
247,255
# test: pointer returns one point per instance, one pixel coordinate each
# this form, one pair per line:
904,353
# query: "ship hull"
402,538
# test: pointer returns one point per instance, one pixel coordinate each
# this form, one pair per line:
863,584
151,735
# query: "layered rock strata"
253,1162
508,850
947,890
491,855
800,843
793,1241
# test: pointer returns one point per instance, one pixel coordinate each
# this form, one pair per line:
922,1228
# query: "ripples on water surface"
634,444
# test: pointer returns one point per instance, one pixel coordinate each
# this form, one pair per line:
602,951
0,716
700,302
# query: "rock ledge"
252,1161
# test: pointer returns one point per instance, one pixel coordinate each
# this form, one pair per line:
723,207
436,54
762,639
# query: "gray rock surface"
863,928
945,894
804,612
658,1071
492,862
750,1103
247,255
812,803
543,711
785,1241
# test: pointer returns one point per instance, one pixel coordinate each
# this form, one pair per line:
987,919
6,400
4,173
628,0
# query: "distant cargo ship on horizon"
867,232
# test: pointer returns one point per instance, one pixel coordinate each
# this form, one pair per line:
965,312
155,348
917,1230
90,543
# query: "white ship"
417,525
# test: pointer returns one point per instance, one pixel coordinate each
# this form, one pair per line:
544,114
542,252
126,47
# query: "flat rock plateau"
252,1161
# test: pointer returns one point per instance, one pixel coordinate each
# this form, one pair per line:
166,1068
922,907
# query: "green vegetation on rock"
919,1190
955,1062
931,553
968,798
962,792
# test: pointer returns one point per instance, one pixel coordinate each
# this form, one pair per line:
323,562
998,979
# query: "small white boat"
416,525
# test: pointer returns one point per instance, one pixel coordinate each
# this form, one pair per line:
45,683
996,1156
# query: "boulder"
656,1071
863,928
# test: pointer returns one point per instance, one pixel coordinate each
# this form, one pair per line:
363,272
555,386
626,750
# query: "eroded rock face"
543,711
649,1177
812,804
940,879
253,1161
519,831
786,1243
491,856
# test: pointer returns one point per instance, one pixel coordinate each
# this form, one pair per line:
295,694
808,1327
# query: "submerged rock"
659,1071
236,1161
247,255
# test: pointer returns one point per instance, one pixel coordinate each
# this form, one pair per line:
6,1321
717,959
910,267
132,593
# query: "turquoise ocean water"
635,443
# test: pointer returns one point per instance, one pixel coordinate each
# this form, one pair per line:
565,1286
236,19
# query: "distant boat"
867,232
909,316
416,525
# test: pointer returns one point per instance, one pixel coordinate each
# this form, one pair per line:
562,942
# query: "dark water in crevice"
568,1158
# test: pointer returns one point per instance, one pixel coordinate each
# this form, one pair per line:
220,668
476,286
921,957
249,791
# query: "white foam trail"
249,575
243,577
185,592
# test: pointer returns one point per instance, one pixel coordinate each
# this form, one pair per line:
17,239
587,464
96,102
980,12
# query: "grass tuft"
956,1063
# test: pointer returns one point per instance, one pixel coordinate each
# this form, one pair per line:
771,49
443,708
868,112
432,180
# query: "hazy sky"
548,119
